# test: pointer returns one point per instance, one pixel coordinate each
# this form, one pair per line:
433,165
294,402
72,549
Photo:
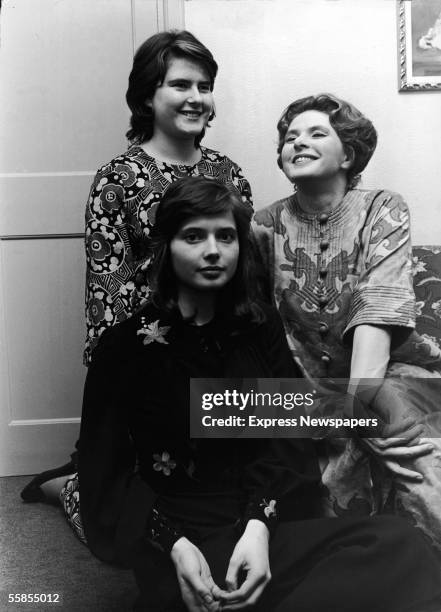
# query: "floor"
40,554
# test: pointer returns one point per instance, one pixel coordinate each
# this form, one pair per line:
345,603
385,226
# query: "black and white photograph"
220,305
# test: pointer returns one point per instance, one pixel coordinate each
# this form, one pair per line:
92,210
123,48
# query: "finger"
406,452
402,434
249,586
232,575
250,601
199,588
403,472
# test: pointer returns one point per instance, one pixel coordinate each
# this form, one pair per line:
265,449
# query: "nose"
194,95
299,141
211,249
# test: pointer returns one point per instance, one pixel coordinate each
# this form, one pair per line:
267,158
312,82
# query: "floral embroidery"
269,508
436,307
163,463
152,332
419,308
418,265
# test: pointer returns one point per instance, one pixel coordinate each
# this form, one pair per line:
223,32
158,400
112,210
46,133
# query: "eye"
290,138
179,84
192,237
227,236
318,134
204,87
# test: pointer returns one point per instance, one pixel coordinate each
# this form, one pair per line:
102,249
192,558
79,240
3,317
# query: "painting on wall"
419,45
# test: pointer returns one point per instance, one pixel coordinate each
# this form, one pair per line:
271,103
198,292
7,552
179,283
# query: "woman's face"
312,149
183,103
204,252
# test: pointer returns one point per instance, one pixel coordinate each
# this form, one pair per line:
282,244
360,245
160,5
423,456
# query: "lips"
191,114
303,159
212,269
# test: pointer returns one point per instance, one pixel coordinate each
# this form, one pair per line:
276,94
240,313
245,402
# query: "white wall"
271,52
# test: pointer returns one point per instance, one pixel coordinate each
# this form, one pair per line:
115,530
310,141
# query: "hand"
400,441
194,577
250,556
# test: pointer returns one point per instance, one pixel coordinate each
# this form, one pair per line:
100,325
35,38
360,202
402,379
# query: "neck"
321,196
172,151
201,303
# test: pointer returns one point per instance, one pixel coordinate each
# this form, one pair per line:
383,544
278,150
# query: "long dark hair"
200,196
150,65
356,132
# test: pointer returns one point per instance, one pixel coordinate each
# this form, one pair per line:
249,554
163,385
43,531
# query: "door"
64,68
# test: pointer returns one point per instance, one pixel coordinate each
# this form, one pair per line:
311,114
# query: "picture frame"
419,45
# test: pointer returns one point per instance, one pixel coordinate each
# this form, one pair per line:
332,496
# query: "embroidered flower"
419,308
418,266
436,307
163,463
152,332
269,508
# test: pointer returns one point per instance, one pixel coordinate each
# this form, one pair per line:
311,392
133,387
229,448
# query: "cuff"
163,532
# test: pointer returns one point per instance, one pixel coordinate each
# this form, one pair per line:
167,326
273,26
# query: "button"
326,358
324,244
323,218
323,271
323,328
323,300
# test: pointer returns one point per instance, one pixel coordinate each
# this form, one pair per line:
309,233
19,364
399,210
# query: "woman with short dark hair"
338,265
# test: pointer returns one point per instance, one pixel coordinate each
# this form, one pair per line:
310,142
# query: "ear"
348,161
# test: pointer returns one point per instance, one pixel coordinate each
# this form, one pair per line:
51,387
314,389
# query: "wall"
271,52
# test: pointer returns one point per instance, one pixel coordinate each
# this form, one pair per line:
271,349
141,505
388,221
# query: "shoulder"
121,343
380,198
216,158
269,216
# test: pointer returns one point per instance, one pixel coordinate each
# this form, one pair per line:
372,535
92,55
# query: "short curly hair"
356,132
150,66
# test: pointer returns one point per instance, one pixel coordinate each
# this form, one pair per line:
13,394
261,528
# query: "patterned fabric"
120,214
331,272
70,500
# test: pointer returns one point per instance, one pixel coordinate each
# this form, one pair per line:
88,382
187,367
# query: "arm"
111,265
382,307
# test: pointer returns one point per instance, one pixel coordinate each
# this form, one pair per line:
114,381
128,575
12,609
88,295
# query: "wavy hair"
356,132
150,65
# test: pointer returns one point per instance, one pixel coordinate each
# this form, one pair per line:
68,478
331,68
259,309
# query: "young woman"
170,95
194,516
338,264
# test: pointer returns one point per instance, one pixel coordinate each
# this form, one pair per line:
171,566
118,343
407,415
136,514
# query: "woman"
194,517
338,260
170,95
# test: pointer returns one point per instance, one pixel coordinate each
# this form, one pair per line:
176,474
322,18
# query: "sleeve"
283,481
111,266
384,293
115,501
162,531
262,240
241,184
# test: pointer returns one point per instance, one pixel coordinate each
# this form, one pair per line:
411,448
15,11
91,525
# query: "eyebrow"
311,129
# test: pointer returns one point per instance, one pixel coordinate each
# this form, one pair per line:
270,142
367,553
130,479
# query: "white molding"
37,422
173,15
46,174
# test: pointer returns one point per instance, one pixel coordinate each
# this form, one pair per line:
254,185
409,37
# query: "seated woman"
338,261
194,516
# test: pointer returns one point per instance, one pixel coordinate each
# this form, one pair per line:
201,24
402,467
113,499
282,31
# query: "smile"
303,159
191,114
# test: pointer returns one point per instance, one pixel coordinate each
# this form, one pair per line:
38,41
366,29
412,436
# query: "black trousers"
377,564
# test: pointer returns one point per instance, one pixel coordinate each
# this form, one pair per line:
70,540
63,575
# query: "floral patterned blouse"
120,213
328,273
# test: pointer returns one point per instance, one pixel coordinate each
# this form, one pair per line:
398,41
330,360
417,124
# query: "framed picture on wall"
419,45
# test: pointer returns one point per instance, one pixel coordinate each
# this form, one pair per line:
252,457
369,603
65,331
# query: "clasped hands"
250,558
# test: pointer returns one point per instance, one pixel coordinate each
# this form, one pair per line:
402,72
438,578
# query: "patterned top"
120,213
332,272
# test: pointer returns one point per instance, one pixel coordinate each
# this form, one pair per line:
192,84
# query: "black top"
135,452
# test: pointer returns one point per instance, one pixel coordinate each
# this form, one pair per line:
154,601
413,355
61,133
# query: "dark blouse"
136,413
